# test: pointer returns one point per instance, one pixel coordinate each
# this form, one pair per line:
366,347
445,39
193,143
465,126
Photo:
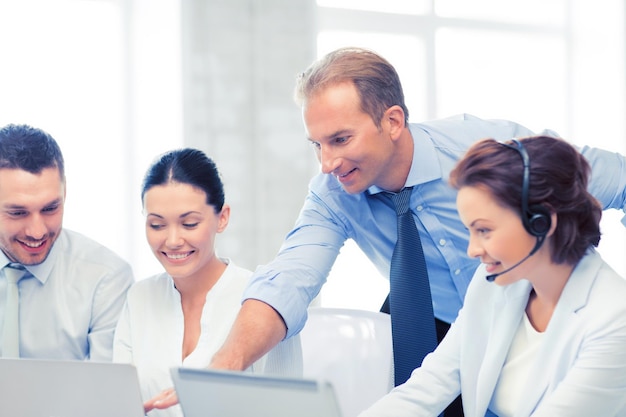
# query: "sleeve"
596,383
107,306
122,342
434,385
431,387
608,177
294,278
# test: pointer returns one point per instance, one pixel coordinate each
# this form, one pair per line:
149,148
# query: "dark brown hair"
559,175
186,166
30,149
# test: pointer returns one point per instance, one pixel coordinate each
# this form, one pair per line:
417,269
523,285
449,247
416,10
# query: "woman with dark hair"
183,315
543,326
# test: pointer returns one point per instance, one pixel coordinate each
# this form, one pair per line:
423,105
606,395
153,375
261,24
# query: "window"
96,75
553,64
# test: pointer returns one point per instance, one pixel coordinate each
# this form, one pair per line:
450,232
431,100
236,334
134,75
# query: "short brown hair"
375,79
559,175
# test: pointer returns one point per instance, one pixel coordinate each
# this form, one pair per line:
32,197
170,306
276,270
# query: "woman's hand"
164,399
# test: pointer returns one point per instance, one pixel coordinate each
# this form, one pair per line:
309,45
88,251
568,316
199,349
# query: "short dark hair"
375,79
559,175
30,149
187,166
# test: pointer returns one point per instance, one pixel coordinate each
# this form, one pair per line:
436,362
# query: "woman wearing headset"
543,328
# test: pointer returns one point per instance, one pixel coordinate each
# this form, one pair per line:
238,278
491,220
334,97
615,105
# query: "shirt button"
420,208
442,242
457,272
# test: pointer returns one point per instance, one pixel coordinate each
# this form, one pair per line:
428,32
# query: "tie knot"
401,200
14,272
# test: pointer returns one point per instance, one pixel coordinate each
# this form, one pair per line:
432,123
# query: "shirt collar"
41,271
425,166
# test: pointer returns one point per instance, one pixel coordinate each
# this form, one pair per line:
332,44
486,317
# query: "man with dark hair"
61,293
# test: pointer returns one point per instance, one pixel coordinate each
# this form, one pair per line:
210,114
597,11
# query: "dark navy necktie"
411,307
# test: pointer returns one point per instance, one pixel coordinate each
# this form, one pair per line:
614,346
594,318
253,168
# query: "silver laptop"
58,388
204,392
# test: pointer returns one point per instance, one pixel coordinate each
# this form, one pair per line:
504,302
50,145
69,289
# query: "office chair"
352,350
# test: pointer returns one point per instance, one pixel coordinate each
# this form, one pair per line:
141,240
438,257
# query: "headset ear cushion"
539,220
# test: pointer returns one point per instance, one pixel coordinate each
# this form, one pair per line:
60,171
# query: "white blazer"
580,368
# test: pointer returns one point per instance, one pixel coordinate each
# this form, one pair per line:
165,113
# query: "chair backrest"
352,350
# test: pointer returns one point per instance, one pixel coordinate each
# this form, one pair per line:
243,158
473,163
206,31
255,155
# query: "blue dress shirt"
330,216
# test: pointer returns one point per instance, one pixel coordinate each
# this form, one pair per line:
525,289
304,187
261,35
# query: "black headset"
536,218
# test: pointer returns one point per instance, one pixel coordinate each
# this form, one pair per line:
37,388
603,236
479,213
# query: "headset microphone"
535,218
492,277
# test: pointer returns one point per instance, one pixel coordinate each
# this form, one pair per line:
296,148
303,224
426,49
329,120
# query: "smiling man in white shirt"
72,292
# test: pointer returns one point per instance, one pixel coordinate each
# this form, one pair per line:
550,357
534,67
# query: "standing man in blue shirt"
73,289
355,117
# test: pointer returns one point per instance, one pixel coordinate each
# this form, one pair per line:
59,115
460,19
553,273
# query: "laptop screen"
60,388
204,392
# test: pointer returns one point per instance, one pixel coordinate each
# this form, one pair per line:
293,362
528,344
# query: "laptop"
63,388
205,392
